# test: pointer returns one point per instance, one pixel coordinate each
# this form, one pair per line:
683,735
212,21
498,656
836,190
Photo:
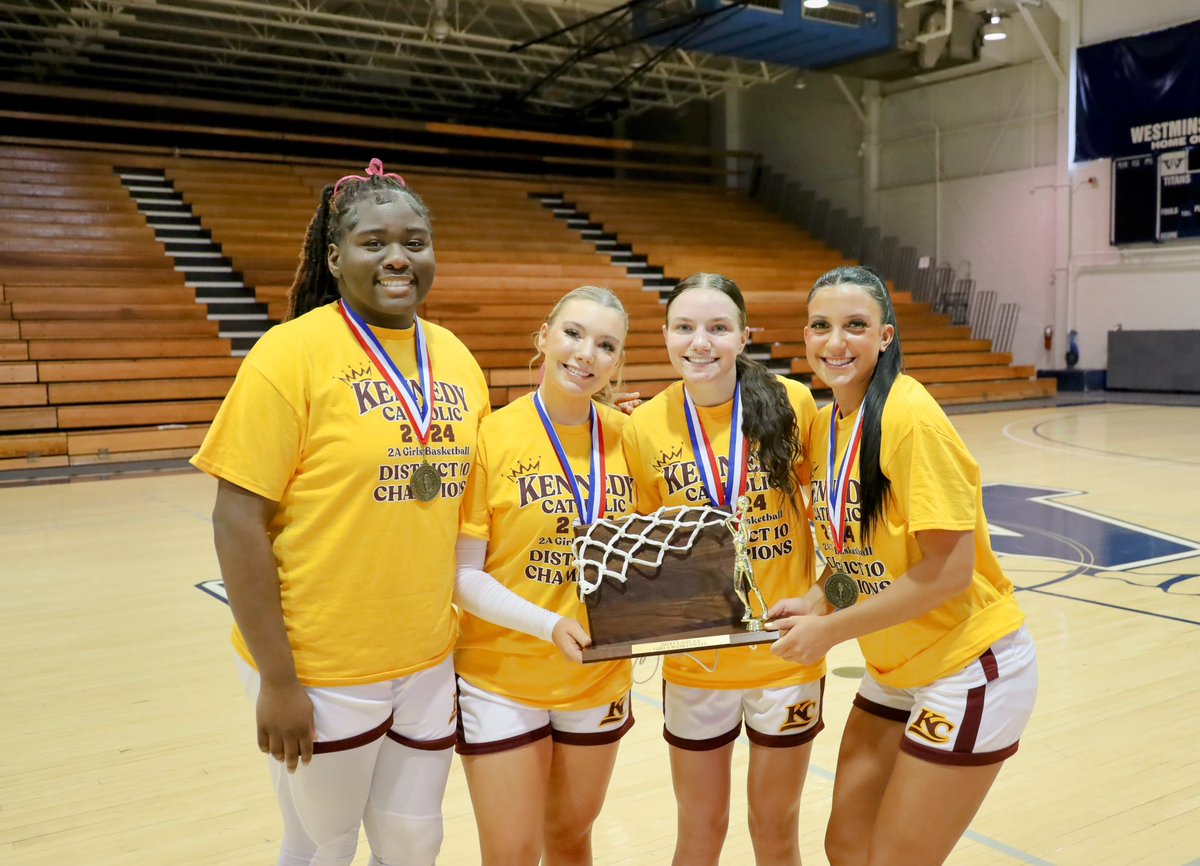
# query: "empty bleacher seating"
105,354
686,230
103,349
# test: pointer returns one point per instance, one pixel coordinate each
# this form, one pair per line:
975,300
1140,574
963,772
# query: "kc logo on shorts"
616,712
932,727
799,716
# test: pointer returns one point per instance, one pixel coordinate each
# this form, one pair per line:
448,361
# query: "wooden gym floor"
127,739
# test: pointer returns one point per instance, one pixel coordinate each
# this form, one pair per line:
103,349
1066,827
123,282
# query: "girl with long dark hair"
951,671
730,412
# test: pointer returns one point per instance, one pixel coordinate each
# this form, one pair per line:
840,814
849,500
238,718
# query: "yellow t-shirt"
935,484
519,502
660,458
366,572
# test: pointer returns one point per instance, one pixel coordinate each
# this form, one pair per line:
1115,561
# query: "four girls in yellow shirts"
951,671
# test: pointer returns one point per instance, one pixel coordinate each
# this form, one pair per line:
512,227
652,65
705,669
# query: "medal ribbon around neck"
837,486
737,475
592,508
420,420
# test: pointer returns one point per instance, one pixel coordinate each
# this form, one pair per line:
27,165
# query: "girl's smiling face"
584,347
843,339
704,335
384,262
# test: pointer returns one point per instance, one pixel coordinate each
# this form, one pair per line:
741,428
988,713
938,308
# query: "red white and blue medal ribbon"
837,486
419,417
737,475
592,507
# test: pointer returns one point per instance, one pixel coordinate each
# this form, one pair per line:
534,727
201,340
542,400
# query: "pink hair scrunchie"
374,169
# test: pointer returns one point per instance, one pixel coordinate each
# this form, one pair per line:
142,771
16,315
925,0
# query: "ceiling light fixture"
815,4
440,28
994,30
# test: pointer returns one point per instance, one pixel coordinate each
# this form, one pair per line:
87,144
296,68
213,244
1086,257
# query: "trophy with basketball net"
677,580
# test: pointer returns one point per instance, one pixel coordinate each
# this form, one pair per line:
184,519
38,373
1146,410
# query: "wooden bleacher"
104,354
687,230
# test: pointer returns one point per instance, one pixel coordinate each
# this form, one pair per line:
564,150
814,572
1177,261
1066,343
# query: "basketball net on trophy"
676,580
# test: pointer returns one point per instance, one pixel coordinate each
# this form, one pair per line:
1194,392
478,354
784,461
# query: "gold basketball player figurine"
743,571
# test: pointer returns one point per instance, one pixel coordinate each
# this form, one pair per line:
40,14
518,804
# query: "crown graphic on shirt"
666,458
523,468
354,374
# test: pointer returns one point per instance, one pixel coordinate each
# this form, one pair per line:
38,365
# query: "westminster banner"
1139,95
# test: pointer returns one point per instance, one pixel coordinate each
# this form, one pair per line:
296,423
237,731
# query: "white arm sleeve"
478,593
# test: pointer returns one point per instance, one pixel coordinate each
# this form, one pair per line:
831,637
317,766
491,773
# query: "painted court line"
1113,607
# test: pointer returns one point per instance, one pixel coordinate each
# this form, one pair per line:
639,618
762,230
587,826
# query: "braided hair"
768,420
314,286
874,485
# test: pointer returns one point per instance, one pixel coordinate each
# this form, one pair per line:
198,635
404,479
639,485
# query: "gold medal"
425,483
841,590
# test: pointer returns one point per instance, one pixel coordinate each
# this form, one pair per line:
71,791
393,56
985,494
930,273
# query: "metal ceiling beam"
401,40
678,34
280,43
268,56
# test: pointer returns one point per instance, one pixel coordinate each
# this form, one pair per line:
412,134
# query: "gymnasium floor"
127,740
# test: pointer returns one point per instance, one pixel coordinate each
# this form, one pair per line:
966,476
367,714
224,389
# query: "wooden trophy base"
721,637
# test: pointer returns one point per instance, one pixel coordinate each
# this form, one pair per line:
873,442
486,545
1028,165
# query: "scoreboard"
1178,194
1156,197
